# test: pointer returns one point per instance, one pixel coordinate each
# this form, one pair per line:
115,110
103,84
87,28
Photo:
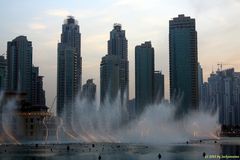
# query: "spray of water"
7,120
109,122
44,123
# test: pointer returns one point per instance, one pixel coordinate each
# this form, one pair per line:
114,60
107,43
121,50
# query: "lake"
194,149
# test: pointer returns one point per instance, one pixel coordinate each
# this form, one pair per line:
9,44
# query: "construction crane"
220,65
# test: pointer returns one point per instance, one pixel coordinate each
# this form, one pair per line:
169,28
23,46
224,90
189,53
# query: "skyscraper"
131,109
118,45
223,94
200,81
69,70
183,63
158,90
144,76
117,55
109,77
89,90
71,37
3,73
19,61
66,84
38,94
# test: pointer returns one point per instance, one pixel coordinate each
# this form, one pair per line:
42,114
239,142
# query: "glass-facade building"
3,73
158,87
38,93
222,94
66,86
183,63
117,60
89,91
19,61
69,68
109,78
144,76
22,76
200,82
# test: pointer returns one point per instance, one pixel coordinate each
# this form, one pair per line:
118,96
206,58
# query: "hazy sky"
217,23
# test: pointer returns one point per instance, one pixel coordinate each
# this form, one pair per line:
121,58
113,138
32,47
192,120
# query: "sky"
217,25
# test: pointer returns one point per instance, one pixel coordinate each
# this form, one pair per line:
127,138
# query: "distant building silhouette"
131,109
204,96
19,61
223,93
144,76
89,91
38,94
158,90
183,63
200,81
115,62
69,67
109,77
3,73
23,77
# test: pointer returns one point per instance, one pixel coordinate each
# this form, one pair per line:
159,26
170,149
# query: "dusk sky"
217,24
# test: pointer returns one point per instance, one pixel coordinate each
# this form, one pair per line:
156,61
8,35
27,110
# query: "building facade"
109,78
3,73
71,37
89,91
38,93
117,55
66,84
131,109
19,61
69,67
223,94
200,82
144,76
158,90
183,63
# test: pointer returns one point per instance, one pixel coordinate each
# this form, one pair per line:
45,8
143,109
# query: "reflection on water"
121,152
232,150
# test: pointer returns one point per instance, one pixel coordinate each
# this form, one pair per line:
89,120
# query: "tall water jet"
157,124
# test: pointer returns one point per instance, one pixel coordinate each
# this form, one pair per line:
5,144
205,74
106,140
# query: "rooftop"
70,20
117,26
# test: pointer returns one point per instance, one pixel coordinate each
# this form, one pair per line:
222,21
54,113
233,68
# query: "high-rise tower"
89,91
109,77
19,61
144,76
23,77
183,63
158,86
3,73
117,59
38,93
69,70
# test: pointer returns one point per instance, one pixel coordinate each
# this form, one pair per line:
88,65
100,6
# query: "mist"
110,122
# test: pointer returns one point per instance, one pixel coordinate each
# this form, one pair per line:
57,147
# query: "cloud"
58,12
135,4
37,26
